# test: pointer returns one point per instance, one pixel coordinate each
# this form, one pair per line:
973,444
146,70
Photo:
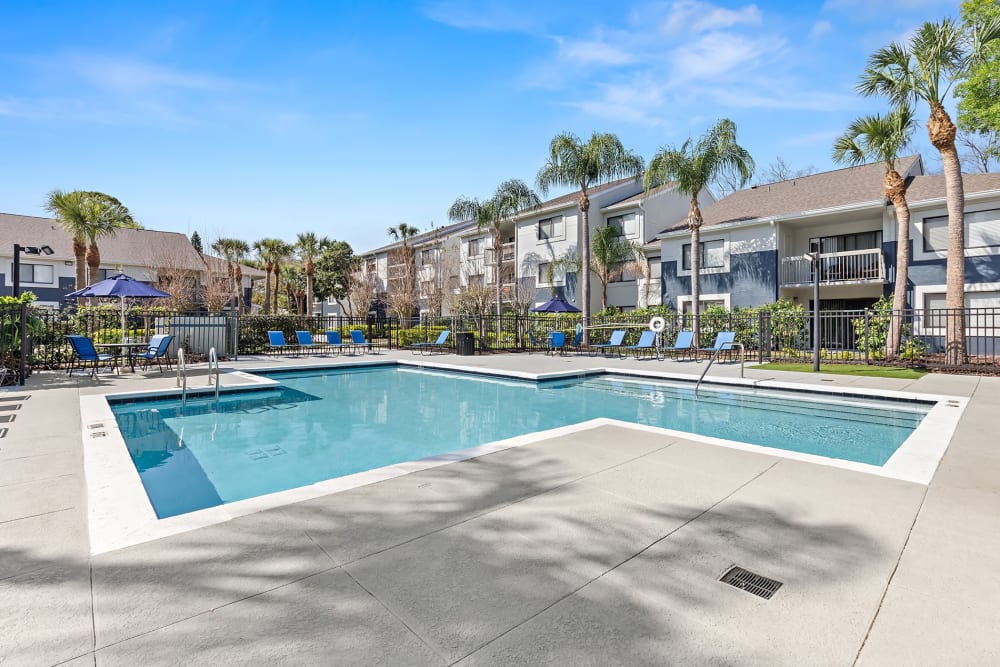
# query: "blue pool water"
324,424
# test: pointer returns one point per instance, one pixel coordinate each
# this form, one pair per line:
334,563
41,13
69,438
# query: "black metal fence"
846,336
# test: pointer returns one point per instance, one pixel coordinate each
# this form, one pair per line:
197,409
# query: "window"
370,266
475,247
428,256
713,255
427,287
476,280
628,274
982,230
627,225
705,303
35,273
550,228
104,274
543,273
847,242
936,317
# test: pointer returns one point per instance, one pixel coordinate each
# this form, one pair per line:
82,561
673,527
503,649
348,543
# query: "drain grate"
751,583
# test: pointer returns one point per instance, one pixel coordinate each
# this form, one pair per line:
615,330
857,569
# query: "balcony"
506,254
835,268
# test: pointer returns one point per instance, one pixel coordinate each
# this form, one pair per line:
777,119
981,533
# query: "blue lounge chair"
535,344
683,345
646,345
334,342
276,342
616,340
306,341
358,340
86,353
723,341
156,351
441,344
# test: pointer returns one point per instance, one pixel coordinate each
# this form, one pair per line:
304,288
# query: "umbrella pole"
123,320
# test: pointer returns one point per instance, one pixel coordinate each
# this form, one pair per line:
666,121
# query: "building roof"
573,197
830,189
424,237
640,197
923,188
217,265
128,247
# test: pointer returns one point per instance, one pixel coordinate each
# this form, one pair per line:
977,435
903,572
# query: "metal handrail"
212,356
182,378
715,355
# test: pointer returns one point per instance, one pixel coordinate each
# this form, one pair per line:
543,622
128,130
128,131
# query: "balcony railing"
506,254
854,266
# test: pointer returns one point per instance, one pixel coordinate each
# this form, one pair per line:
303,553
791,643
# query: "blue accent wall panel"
752,280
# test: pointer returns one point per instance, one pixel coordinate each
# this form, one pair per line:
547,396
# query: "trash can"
465,344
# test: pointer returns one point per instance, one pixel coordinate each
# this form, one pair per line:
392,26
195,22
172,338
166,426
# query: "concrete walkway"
604,547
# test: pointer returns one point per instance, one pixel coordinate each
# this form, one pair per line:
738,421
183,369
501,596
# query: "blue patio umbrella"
123,287
556,305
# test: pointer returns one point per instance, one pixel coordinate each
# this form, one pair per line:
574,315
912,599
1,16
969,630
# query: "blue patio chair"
683,345
156,351
646,345
535,344
441,344
557,342
334,342
86,353
306,342
723,341
276,342
616,340
577,344
358,340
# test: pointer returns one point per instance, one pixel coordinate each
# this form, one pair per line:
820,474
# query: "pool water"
325,424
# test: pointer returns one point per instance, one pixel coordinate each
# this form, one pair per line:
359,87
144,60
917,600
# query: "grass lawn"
850,369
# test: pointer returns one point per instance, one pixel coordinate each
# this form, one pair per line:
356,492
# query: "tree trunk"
277,285
895,190
238,283
80,251
942,135
310,267
694,222
268,266
585,268
497,261
604,292
93,266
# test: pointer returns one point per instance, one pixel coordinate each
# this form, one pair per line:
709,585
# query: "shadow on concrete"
433,567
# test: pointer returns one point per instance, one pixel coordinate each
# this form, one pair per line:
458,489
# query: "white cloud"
820,28
717,54
125,75
692,17
490,15
593,52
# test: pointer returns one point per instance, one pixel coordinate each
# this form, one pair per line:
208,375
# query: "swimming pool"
324,424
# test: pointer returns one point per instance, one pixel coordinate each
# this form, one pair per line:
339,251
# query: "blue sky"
254,119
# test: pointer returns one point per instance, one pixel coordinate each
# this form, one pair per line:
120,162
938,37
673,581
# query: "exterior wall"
63,277
749,275
531,252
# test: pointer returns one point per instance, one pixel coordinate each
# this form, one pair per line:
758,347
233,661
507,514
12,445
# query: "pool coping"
120,513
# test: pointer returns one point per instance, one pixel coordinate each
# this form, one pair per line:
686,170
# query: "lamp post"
814,258
27,250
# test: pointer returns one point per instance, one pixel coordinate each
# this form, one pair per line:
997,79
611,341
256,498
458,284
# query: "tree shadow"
511,557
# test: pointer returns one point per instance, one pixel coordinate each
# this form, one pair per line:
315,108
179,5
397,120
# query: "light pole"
22,327
814,258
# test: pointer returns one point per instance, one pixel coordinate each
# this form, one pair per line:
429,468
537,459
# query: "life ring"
657,324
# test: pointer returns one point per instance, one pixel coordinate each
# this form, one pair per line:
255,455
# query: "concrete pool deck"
602,547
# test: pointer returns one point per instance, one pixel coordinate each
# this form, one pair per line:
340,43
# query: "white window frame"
553,237
34,268
917,233
920,294
622,216
726,247
726,299
481,242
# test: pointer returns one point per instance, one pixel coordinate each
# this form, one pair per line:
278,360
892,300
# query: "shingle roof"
932,187
131,247
217,265
572,197
641,196
841,187
424,237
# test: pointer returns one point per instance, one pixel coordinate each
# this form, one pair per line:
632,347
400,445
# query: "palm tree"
584,165
309,246
105,219
937,56
233,250
280,251
692,167
611,255
261,248
71,210
512,197
883,138
406,282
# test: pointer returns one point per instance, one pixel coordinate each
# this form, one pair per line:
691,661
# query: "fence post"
868,342
22,362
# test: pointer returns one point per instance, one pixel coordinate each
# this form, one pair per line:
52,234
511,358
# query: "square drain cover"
751,583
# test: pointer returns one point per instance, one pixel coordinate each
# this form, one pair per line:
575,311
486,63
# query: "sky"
264,119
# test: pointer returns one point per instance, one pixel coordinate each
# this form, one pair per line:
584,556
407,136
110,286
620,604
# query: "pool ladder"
715,355
213,358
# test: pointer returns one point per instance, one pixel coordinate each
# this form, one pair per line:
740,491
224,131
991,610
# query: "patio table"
119,350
